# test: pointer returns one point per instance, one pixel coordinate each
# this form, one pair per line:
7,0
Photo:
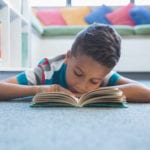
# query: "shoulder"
51,64
111,79
50,60
43,71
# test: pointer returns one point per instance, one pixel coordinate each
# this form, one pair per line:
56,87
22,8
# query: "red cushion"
121,16
50,17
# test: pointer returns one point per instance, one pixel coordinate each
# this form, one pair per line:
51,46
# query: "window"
86,2
142,2
99,2
47,2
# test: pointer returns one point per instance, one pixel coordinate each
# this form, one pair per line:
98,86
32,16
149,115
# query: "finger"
61,89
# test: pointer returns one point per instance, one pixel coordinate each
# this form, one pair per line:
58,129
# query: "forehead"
89,66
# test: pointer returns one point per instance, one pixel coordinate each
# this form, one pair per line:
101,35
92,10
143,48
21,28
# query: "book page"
102,94
55,97
108,99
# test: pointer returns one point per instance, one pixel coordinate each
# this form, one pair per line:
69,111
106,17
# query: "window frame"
69,2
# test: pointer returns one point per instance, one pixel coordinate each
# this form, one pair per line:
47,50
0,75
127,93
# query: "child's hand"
53,88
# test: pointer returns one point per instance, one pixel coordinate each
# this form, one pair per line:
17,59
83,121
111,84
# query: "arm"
10,89
134,91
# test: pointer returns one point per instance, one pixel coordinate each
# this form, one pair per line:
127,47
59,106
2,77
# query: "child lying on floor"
88,65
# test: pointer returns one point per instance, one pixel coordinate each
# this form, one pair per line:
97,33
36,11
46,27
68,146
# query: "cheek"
70,78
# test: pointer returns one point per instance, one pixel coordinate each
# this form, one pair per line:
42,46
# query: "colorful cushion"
98,15
50,17
121,16
140,15
75,15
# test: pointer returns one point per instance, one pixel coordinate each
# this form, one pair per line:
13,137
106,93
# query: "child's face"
84,74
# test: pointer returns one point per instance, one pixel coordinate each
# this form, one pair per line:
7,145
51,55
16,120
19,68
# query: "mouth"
73,90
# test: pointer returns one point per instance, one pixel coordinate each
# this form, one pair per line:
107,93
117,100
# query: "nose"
82,86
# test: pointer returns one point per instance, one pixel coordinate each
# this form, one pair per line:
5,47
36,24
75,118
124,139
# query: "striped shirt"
53,71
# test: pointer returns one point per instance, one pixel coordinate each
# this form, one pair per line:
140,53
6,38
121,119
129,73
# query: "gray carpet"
26,128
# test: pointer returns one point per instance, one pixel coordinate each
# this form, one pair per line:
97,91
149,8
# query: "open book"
102,97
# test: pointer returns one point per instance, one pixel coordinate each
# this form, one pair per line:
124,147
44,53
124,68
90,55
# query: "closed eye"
95,82
78,74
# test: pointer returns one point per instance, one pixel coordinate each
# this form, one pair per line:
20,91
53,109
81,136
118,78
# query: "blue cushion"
98,15
140,15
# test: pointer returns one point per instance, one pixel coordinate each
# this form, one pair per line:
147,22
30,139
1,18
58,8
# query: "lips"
73,90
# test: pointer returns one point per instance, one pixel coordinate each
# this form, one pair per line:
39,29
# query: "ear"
68,56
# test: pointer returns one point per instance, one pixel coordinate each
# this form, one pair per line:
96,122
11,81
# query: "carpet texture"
26,128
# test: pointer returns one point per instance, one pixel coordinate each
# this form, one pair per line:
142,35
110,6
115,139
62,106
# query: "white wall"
49,47
135,51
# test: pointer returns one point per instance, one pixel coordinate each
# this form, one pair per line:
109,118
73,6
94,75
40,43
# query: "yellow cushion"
75,15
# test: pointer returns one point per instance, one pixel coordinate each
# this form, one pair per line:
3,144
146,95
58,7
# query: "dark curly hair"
99,41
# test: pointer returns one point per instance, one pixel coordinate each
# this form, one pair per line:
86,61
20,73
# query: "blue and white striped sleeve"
35,76
27,78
